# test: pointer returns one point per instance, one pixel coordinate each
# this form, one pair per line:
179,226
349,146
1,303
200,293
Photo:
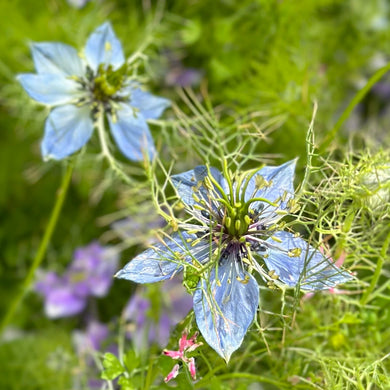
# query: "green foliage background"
263,65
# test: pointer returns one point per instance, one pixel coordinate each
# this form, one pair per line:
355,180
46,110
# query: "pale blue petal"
224,309
103,47
279,188
56,58
311,269
67,129
186,182
50,89
131,133
150,106
163,260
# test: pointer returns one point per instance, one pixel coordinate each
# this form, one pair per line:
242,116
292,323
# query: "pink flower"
173,374
185,346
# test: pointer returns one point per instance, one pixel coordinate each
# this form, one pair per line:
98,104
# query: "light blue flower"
80,86
234,228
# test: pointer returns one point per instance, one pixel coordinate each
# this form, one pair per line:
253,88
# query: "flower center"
237,220
107,83
103,88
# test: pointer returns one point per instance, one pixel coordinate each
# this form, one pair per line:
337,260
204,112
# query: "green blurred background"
263,61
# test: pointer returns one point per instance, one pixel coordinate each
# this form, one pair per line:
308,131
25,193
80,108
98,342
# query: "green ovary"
108,83
237,221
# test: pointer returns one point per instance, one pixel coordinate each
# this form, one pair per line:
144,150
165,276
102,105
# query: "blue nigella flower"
80,87
234,226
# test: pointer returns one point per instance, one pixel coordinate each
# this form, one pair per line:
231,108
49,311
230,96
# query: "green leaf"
112,367
191,32
220,70
131,360
126,383
191,279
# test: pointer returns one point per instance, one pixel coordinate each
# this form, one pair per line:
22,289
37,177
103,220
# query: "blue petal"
67,129
103,47
150,106
131,133
225,307
186,181
311,269
56,58
163,260
279,183
50,89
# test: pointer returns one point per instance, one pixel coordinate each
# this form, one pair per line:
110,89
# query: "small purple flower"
92,269
90,274
382,89
176,303
235,226
92,339
179,76
86,344
81,87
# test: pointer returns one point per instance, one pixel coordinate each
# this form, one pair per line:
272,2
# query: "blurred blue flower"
89,274
80,86
139,228
144,328
234,225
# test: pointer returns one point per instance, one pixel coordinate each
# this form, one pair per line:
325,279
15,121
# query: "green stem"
354,102
149,374
229,181
253,200
309,152
41,250
378,270
217,185
252,377
105,149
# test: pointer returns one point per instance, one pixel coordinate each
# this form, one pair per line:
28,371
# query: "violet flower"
176,303
180,76
89,274
91,339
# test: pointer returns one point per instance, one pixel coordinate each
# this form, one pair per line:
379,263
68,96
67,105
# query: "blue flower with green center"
234,227
80,87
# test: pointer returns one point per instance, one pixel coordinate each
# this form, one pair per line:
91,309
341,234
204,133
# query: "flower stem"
106,151
354,102
379,265
310,146
258,378
41,250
